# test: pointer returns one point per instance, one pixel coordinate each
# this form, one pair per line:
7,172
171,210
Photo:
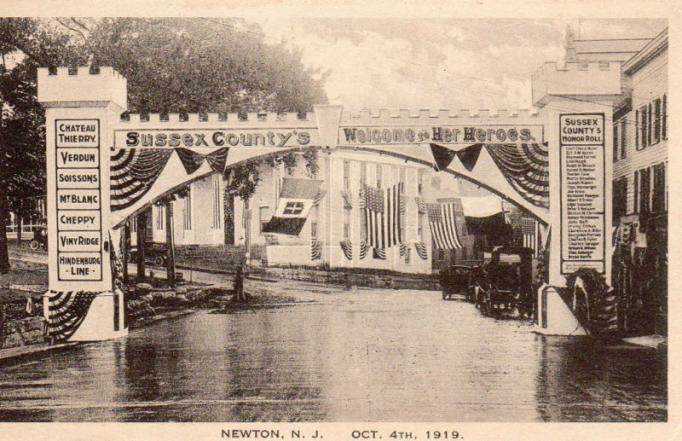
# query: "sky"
437,63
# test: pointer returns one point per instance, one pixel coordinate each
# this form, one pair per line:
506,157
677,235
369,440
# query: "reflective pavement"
371,355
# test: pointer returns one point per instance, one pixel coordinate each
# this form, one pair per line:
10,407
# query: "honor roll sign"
79,209
582,166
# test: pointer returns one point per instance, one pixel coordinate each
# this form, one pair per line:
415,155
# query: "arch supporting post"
577,108
84,301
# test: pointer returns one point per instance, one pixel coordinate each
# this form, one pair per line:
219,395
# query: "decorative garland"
421,250
593,302
66,312
347,248
380,253
315,250
133,172
347,199
364,247
421,205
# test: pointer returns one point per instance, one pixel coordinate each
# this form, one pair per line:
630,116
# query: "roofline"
616,39
652,49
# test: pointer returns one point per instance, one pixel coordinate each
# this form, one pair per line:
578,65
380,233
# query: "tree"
172,65
22,140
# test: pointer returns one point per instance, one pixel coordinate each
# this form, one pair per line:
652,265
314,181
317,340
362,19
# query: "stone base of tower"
84,316
554,317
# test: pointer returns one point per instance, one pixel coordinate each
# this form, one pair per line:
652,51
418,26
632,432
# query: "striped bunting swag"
315,250
380,253
133,172
347,248
364,247
526,168
347,199
403,249
443,226
66,312
421,250
381,209
421,205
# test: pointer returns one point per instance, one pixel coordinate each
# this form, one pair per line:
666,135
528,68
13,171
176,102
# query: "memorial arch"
102,169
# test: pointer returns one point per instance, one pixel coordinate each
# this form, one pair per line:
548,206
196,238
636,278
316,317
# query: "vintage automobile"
505,286
153,253
456,279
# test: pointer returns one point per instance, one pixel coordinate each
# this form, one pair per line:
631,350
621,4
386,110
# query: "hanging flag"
381,209
295,200
443,226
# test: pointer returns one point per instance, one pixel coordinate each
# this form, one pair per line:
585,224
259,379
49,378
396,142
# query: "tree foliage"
172,65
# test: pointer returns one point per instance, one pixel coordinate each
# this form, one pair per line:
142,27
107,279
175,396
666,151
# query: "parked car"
155,254
456,279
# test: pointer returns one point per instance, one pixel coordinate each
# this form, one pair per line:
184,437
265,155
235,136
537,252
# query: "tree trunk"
170,245
20,222
141,236
4,215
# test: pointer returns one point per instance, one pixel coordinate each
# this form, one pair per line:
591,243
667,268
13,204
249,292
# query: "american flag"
528,230
381,209
443,226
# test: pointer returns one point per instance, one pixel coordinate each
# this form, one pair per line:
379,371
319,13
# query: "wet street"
372,355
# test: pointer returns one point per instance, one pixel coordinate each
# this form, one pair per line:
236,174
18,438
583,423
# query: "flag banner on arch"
525,166
443,225
296,198
381,209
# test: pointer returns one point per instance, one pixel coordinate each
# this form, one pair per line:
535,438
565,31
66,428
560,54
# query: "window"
346,174
363,225
657,121
642,191
420,226
649,124
378,175
637,129
658,200
664,119
403,179
643,127
187,214
314,216
615,141
264,216
346,223
363,173
620,194
159,217
420,181
623,138
215,222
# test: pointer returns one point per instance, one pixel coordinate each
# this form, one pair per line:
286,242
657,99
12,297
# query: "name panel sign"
79,200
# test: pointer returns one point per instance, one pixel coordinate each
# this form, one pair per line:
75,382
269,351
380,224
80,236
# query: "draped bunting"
133,172
524,166
421,205
380,253
192,160
67,310
315,250
347,248
421,250
319,197
403,204
364,247
347,199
